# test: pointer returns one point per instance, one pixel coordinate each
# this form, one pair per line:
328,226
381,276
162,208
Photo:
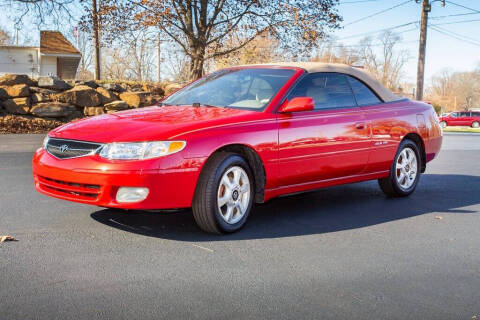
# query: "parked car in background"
462,118
241,136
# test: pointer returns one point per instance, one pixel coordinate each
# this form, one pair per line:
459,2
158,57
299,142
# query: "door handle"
360,125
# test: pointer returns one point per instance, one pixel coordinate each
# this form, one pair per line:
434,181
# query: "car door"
380,120
454,119
466,118
327,143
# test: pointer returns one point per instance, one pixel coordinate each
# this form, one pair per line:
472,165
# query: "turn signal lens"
176,146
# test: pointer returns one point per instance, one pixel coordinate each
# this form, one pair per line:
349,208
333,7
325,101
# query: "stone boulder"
134,99
107,95
115,87
53,109
77,114
14,79
82,96
93,111
42,91
17,105
116,105
3,94
92,84
171,88
156,90
17,91
136,87
39,97
53,83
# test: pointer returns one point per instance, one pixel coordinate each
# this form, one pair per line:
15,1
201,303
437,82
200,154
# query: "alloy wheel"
233,195
406,168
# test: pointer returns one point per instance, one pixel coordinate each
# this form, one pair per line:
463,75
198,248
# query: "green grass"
461,129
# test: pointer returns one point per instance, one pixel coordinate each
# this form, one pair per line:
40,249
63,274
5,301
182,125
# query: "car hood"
151,123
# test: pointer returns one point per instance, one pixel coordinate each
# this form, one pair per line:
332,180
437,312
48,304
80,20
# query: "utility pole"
96,39
159,56
16,34
426,8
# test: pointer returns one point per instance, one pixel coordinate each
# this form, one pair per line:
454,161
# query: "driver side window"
328,90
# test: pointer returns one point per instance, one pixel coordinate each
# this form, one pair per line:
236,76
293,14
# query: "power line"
378,13
454,15
454,22
410,23
379,30
458,35
465,7
455,37
358,1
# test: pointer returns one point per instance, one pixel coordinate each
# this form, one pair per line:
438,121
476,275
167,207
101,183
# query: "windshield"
237,88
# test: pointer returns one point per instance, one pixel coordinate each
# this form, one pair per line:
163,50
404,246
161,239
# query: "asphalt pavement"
345,252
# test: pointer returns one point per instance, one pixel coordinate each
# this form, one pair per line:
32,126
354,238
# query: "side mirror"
298,104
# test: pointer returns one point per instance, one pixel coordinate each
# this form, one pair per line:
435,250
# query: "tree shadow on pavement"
326,210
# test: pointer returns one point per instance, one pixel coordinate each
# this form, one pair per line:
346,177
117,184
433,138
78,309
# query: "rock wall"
28,105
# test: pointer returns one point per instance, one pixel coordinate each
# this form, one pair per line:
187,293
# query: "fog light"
131,194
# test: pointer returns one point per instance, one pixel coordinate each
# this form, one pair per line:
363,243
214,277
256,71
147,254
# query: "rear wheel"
405,171
475,124
224,195
443,124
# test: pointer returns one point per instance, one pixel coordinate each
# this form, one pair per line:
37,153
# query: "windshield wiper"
164,104
198,104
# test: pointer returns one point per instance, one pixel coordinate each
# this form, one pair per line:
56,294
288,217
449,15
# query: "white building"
56,56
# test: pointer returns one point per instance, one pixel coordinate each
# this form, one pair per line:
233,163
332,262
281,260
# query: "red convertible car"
241,136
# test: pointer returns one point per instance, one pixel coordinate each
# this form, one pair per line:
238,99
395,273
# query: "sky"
458,51
443,51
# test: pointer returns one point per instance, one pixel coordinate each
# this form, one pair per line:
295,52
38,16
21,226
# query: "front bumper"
95,181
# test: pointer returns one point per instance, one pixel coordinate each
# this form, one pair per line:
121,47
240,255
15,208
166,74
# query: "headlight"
140,150
45,141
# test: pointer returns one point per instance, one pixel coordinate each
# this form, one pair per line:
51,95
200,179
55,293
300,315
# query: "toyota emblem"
63,148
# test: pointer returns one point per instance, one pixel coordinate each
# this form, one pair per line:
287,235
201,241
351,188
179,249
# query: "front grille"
66,149
70,189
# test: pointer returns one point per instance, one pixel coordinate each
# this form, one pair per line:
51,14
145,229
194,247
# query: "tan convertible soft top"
385,94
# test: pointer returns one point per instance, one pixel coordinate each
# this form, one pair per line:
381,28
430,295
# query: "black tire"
390,185
475,124
205,209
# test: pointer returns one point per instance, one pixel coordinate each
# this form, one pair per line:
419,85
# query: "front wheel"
224,195
475,124
404,172
443,124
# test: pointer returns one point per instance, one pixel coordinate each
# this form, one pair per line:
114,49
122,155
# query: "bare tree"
41,12
442,84
4,37
455,90
264,48
84,44
131,57
387,66
114,64
201,27
331,52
